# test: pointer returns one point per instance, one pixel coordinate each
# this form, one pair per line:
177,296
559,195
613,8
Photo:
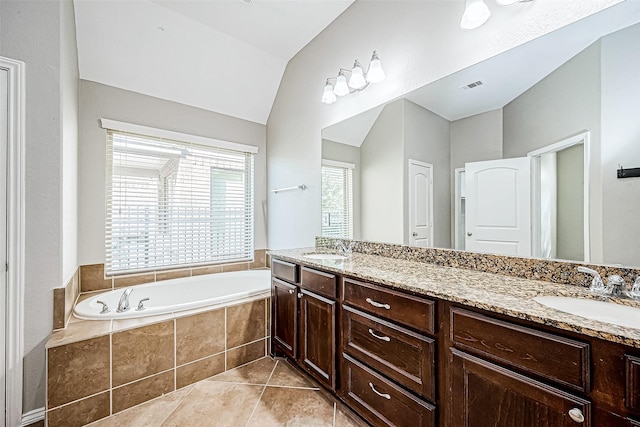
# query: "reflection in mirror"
568,118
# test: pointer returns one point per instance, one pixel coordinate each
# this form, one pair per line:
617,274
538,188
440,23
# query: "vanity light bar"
358,80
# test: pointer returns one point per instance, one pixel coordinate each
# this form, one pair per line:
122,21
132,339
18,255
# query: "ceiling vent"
472,85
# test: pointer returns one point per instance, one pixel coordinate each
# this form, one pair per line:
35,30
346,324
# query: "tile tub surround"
508,295
563,272
64,299
99,368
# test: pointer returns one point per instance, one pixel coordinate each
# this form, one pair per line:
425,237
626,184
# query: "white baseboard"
32,417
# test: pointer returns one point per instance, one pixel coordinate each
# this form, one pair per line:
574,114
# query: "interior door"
420,204
4,105
498,206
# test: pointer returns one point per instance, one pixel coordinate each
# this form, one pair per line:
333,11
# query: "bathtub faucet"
123,305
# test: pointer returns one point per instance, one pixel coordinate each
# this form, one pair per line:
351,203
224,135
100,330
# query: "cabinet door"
484,394
284,317
318,337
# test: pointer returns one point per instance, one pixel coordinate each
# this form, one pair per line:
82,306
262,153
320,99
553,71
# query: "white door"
498,202
420,204
4,104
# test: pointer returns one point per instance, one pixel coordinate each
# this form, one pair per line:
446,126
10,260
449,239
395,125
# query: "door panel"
420,204
284,322
498,206
4,104
318,337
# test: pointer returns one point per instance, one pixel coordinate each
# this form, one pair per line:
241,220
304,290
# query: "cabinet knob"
291,291
576,415
299,294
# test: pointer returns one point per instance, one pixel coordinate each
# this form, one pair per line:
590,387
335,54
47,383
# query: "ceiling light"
508,2
358,79
328,97
475,14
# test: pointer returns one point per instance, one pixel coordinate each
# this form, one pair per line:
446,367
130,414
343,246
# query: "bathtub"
169,296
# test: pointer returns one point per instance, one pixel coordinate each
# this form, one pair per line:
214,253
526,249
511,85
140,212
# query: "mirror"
565,104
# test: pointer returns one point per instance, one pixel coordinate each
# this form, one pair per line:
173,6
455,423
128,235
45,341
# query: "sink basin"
334,257
602,311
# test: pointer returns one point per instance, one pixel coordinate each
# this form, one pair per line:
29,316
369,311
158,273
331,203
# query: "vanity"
410,343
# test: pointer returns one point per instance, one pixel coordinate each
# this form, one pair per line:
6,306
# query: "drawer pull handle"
383,338
575,414
385,395
377,304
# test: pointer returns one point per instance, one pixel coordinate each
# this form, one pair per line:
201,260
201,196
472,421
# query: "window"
172,204
337,199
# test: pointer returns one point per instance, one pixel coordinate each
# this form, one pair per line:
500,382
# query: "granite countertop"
498,293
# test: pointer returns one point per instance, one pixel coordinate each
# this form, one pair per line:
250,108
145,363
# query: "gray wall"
565,103
381,156
38,33
476,138
426,138
347,153
100,101
621,145
570,204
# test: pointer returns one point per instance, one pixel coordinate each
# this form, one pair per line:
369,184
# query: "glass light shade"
375,73
475,14
341,88
328,97
357,80
506,2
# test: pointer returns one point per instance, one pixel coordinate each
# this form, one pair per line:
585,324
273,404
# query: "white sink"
602,311
334,257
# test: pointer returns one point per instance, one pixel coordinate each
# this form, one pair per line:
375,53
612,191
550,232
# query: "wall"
563,104
476,138
381,156
570,206
347,153
418,43
426,138
37,33
620,142
100,101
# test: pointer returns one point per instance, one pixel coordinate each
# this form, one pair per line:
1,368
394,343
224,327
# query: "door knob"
469,233
576,415
414,234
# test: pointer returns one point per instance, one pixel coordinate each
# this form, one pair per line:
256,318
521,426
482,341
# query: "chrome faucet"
345,249
597,285
615,287
123,305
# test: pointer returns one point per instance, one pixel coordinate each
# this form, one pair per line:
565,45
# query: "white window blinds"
337,199
175,204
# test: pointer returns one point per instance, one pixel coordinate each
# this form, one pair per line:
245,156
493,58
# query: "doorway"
420,204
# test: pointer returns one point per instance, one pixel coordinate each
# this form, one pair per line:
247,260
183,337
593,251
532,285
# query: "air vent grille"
472,85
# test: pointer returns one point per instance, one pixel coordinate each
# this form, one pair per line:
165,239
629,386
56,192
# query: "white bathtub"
173,295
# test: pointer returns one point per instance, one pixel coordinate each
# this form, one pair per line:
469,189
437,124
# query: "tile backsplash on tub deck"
93,378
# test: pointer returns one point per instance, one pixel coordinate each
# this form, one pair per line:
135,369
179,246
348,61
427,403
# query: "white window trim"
337,164
176,136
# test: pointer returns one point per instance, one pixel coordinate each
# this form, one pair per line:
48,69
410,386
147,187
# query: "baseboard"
32,417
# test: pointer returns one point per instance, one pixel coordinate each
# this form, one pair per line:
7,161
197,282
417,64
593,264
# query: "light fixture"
328,97
475,14
358,79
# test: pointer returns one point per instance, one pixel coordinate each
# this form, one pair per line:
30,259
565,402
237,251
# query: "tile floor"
264,393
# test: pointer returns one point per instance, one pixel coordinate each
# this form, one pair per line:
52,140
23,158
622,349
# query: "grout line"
200,360
78,400
334,413
110,373
261,394
175,354
225,339
144,378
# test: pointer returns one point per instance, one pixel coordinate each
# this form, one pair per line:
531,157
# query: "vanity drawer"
319,282
559,359
406,309
402,355
381,402
284,270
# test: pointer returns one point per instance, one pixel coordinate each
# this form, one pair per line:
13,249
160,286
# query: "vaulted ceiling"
226,56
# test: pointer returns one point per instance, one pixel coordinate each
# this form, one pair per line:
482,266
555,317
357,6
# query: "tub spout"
123,305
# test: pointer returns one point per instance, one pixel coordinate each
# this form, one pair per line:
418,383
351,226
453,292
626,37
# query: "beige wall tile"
141,352
245,354
256,373
79,330
166,275
137,322
259,259
212,269
71,293
77,370
196,371
139,279
79,413
92,278
58,308
199,336
235,267
245,323
141,391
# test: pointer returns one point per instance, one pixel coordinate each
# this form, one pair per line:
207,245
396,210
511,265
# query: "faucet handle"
615,285
141,304
105,307
634,293
597,285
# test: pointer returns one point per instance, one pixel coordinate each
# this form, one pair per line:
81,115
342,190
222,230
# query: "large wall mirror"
515,155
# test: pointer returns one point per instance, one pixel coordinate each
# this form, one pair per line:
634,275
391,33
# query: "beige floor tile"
281,406
216,404
257,372
344,420
286,376
149,414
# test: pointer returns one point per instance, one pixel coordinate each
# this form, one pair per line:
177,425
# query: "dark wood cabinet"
317,337
284,318
485,394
